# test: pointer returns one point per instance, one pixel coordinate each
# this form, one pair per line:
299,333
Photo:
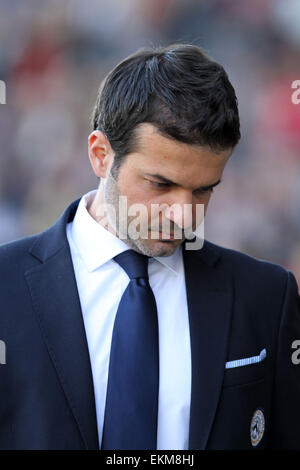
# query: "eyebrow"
167,181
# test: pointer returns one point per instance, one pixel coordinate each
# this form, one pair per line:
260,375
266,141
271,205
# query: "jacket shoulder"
15,259
46,242
248,267
16,247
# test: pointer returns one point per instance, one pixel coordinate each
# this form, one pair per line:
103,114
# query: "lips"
169,236
177,235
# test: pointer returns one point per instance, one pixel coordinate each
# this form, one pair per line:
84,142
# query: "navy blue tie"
130,420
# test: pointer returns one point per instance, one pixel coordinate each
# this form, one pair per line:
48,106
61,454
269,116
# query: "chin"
158,248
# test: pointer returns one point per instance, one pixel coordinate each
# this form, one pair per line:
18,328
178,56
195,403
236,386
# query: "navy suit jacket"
237,306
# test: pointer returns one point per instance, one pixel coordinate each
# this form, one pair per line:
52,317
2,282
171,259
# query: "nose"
180,211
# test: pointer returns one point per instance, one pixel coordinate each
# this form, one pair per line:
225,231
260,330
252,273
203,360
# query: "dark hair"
178,89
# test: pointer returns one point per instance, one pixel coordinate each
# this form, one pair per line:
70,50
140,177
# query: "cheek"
131,187
137,195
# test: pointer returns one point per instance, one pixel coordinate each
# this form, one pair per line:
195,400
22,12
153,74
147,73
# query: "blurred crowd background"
54,54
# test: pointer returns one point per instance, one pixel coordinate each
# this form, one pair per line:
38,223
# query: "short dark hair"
181,91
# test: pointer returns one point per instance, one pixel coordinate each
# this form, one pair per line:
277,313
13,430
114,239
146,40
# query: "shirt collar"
90,238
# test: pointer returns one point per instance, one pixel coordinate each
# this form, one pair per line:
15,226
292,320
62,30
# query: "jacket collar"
52,240
56,302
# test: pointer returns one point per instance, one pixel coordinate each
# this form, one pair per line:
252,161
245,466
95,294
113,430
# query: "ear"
101,154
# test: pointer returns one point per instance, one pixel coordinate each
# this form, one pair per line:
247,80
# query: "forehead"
175,160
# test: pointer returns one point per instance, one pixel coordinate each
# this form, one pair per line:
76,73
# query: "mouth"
169,236
166,236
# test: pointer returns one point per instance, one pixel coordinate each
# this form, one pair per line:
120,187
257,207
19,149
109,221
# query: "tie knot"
134,264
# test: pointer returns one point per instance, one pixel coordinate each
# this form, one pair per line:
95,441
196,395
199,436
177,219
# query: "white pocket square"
247,360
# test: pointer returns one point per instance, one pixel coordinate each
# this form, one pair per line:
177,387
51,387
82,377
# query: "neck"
97,210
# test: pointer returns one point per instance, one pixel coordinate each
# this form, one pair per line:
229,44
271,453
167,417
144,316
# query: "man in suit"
118,334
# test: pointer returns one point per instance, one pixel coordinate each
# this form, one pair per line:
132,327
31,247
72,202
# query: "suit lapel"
55,299
209,304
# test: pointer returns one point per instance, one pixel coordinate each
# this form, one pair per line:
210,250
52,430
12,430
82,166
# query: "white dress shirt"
101,283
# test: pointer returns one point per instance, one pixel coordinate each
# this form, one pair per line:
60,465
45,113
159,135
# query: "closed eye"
204,190
159,185
201,190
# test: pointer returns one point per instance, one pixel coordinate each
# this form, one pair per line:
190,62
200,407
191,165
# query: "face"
168,180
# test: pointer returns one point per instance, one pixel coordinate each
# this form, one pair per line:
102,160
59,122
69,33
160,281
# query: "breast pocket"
247,373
